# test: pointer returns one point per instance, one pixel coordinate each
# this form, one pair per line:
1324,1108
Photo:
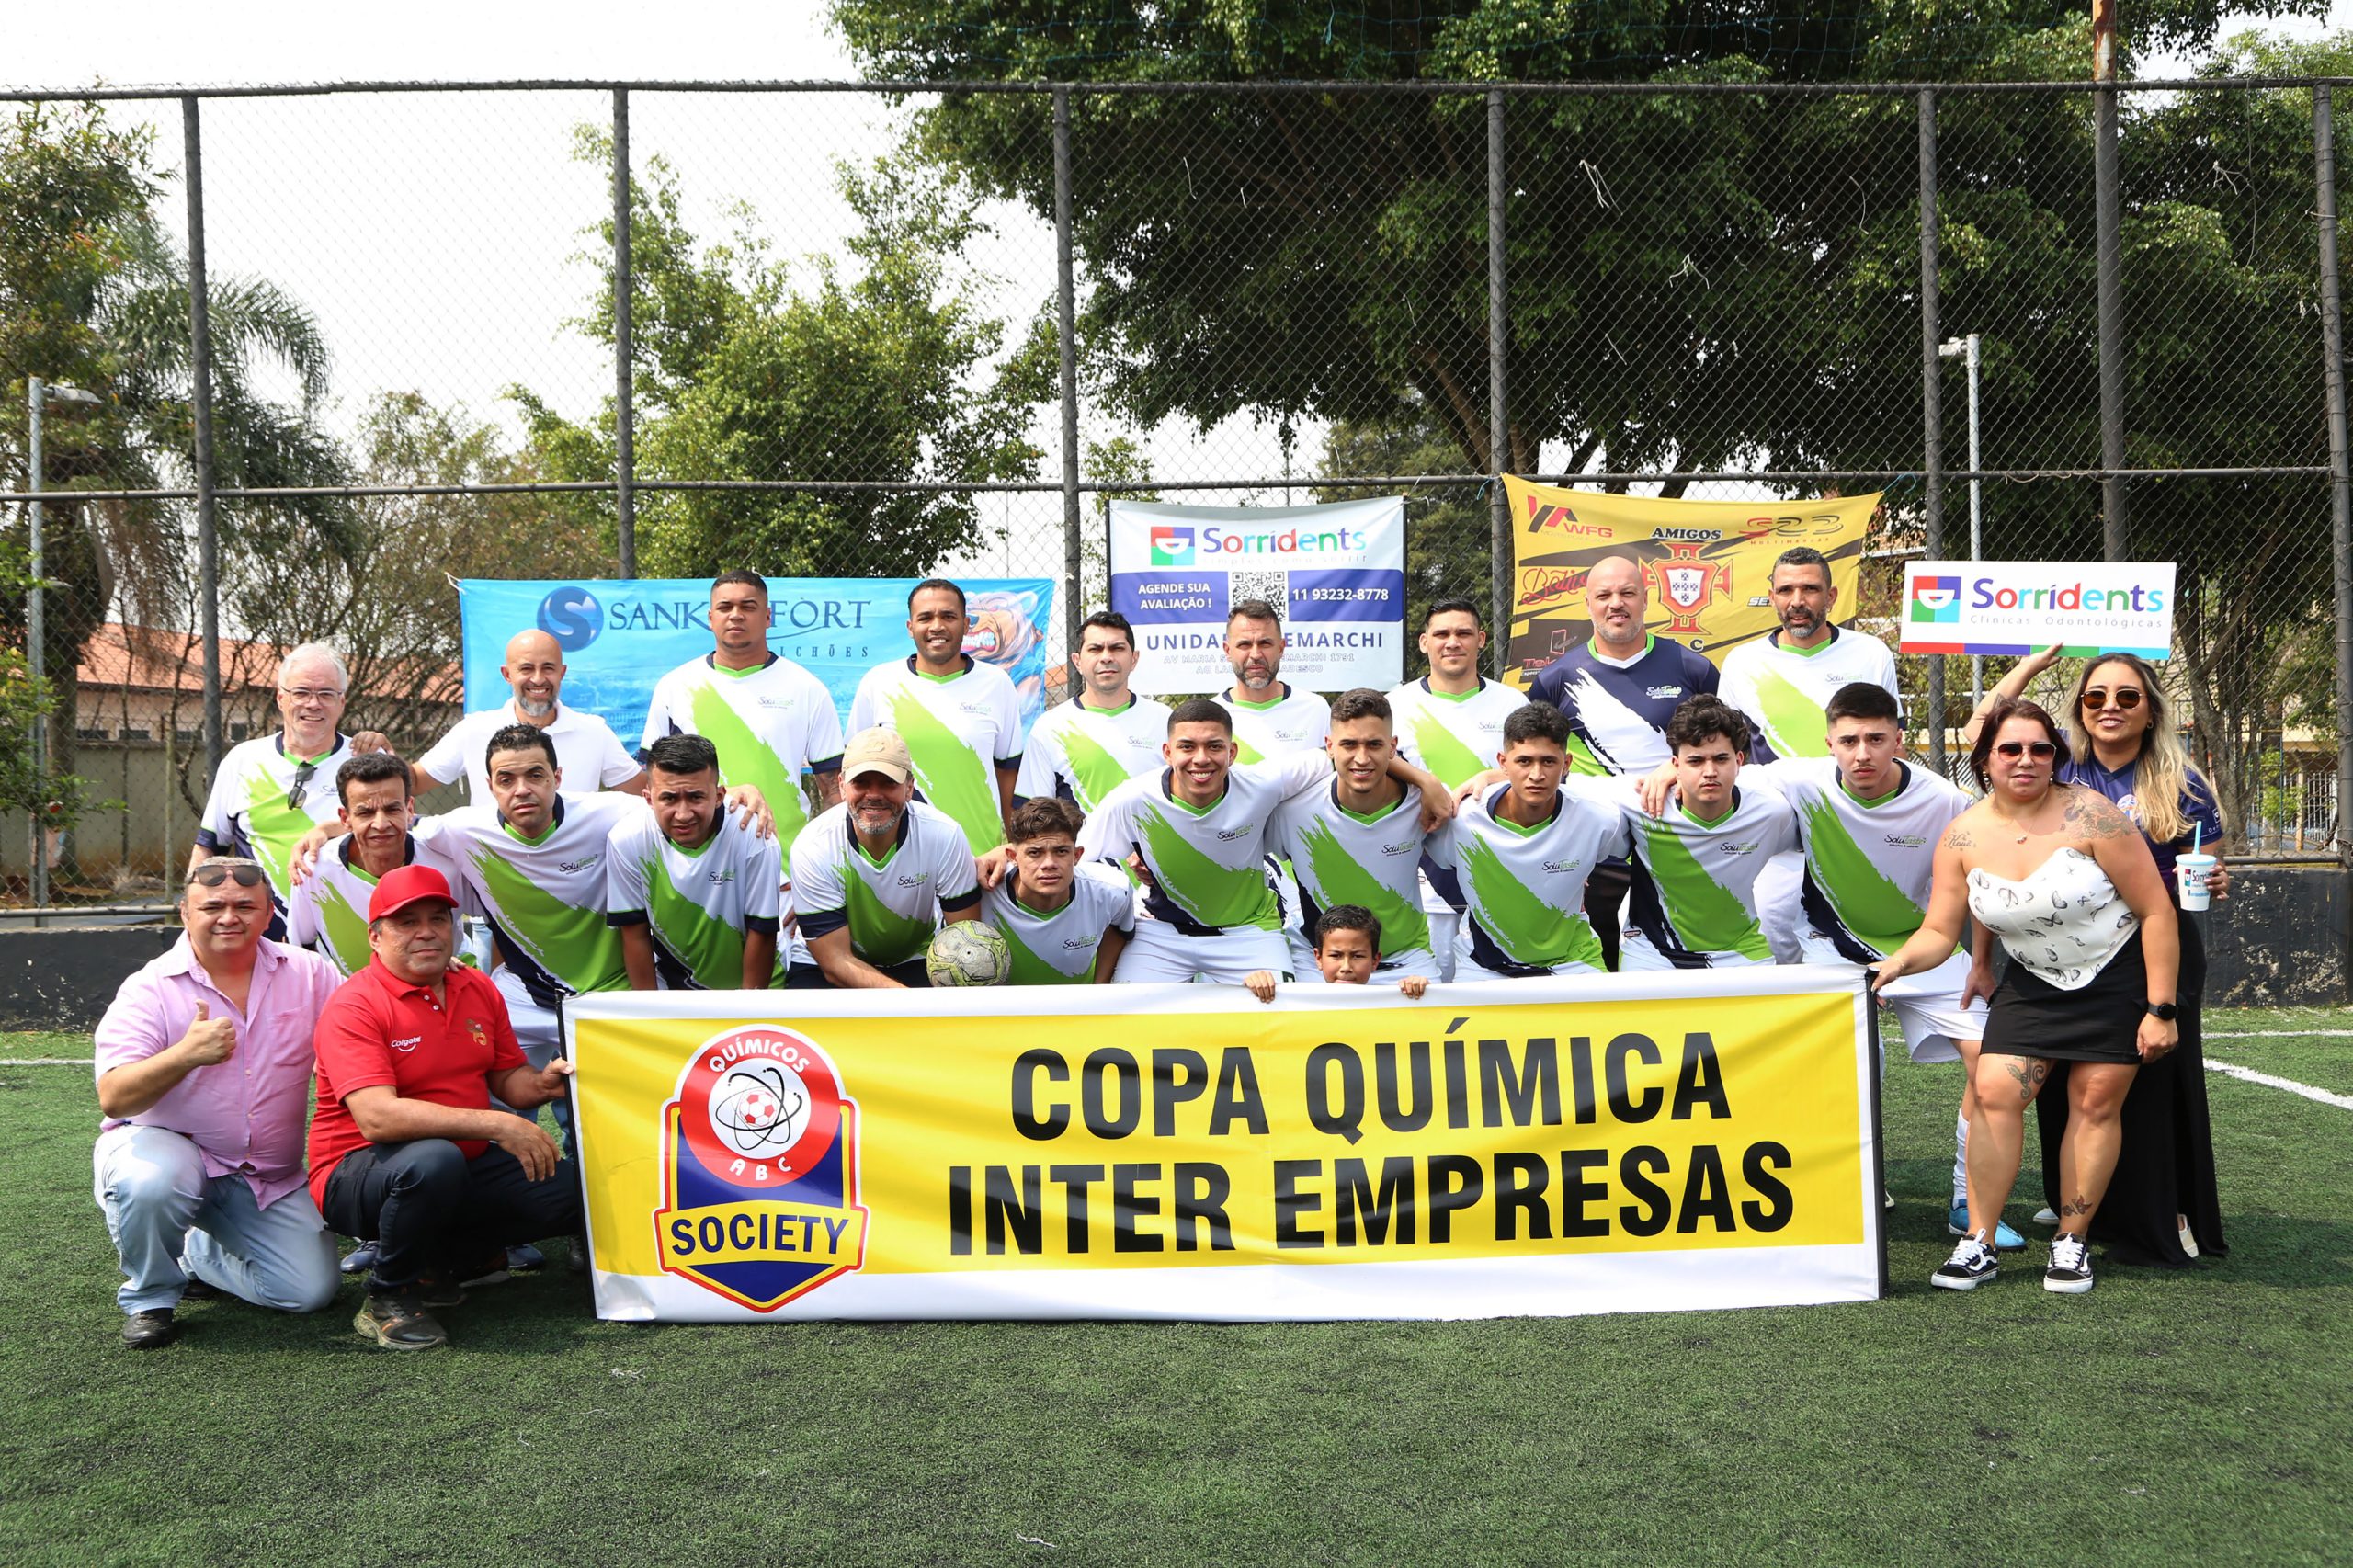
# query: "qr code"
1274,587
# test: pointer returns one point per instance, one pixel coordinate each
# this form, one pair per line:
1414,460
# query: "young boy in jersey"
1357,840
693,894
1064,922
1520,852
1693,899
327,911
1348,952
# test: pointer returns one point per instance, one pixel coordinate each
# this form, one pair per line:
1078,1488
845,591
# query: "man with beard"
1272,719
1782,682
590,756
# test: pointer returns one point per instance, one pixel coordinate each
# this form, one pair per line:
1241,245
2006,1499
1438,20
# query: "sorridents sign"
2021,607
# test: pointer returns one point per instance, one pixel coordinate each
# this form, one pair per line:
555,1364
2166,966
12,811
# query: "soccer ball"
968,953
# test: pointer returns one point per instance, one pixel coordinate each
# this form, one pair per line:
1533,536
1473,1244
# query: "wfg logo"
760,1171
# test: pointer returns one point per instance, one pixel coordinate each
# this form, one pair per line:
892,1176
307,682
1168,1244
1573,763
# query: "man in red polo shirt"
406,1150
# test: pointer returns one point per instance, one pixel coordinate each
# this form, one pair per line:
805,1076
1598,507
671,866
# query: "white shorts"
1468,971
1927,1007
1635,952
1160,954
535,1029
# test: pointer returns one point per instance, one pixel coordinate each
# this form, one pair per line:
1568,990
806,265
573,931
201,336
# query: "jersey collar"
278,739
1168,793
408,853
1558,801
1593,646
925,674
555,821
1774,637
712,661
1429,690
1259,707
1903,783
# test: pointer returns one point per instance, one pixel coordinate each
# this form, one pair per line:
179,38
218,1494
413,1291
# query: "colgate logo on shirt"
411,1043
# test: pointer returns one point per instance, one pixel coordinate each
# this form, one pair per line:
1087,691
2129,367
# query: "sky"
437,236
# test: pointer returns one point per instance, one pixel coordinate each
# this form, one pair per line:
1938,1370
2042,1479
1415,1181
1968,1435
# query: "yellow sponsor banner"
1188,1152
1708,565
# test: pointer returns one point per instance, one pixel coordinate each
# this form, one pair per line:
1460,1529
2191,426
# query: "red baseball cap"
407,886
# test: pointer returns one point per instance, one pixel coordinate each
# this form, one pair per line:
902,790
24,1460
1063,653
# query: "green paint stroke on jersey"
273,826
954,779
745,758
1793,722
1341,880
1707,917
1868,904
1097,772
1526,929
1581,759
712,949
1443,753
344,927
1244,752
879,934
1213,894
574,944
1028,969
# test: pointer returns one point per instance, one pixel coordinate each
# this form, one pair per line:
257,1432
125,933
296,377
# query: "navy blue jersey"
1617,713
2197,805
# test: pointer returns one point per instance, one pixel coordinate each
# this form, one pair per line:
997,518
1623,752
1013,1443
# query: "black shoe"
397,1320
1972,1264
199,1290
150,1330
2070,1273
575,1260
441,1290
488,1270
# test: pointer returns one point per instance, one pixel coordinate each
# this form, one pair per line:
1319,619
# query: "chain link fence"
385,336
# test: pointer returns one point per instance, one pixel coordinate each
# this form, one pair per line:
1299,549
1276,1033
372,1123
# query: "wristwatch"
2164,1012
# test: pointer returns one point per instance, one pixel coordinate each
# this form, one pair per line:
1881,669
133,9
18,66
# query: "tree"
94,295
879,366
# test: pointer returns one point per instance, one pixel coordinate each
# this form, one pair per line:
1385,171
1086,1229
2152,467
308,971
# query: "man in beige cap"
874,877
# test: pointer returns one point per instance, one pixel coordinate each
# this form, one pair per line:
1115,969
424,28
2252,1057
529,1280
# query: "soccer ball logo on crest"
760,1109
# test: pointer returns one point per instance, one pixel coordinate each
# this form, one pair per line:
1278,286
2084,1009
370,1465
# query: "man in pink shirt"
204,1074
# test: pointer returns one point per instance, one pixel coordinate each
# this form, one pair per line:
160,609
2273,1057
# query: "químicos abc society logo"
1936,600
571,616
759,1156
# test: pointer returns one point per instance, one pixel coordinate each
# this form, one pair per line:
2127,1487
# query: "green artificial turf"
2166,1417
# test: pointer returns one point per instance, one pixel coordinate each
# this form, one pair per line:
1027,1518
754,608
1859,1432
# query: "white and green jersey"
696,904
544,897
263,801
1082,754
1783,690
1060,949
1295,721
1342,857
587,753
959,730
770,724
1868,868
1692,904
1523,888
891,905
1456,736
327,911
1208,864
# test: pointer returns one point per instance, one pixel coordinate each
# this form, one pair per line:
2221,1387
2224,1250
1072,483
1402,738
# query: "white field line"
2249,1074
49,1062
2284,1034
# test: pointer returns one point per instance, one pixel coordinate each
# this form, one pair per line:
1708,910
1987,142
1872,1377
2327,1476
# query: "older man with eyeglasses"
204,1065
272,790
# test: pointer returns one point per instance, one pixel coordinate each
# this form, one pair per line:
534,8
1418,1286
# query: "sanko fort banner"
1515,1149
1708,565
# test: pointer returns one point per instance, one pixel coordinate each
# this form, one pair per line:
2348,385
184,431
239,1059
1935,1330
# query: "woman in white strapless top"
2066,883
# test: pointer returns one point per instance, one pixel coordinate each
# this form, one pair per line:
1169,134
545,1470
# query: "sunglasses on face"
2124,699
2042,751
213,873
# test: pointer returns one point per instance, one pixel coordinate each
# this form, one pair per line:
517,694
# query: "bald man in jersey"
587,752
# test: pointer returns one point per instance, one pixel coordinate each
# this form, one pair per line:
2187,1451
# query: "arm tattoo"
2030,1070
2093,815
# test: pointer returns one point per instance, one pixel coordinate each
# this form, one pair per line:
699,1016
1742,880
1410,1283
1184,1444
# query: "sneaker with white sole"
2004,1239
1972,1264
2188,1237
2070,1273
2046,1216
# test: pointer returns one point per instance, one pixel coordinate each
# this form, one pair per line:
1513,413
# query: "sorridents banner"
1335,571
2022,607
1709,564
1513,1148
618,638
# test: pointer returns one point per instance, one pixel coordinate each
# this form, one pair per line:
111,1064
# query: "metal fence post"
208,538
36,638
1066,307
624,387
1498,402
1932,405
2108,248
2340,463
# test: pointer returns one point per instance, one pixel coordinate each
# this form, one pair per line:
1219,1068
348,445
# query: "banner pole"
1066,304
1932,411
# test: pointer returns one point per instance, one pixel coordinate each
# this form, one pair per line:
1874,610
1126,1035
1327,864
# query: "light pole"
1966,348
38,395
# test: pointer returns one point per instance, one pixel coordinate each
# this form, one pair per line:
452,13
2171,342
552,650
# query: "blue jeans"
169,1221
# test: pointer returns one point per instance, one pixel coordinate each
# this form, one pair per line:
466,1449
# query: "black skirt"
2101,1022
2165,1169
